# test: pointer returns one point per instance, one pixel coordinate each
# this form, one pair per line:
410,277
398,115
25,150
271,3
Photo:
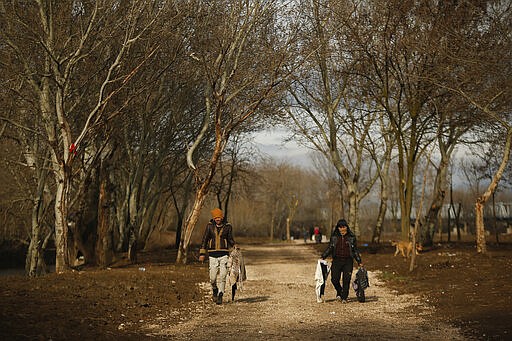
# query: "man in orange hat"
217,239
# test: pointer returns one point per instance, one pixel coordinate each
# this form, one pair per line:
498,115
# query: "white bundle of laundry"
322,271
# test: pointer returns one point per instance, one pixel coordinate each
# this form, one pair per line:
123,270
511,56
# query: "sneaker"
344,300
319,300
338,298
219,298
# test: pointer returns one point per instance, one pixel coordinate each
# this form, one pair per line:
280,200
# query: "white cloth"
319,277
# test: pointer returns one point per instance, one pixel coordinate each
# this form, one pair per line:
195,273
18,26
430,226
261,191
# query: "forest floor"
452,294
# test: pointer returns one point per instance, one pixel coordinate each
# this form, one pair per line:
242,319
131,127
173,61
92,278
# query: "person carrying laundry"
343,249
217,240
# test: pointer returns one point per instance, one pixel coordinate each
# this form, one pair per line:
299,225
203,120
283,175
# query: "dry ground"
452,294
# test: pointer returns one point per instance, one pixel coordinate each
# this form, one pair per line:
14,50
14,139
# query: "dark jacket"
217,238
331,249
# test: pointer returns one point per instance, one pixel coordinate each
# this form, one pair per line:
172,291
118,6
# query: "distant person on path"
217,239
318,235
305,235
343,249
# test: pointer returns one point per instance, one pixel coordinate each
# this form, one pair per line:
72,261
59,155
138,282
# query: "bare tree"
232,167
396,64
451,128
54,43
325,105
484,82
383,162
241,50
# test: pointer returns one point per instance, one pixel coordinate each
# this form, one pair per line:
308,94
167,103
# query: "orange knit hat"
217,213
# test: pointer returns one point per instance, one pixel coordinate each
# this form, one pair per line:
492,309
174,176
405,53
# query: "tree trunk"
457,220
288,229
180,211
61,228
104,244
435,206
272,228
406,188
418,217
494,222
481,246
342,203
34,252
34,263
123,220
352,210
413,241
449,223
190,225
134,214
383,207
200,197
480,202
380,219
275,207
132,243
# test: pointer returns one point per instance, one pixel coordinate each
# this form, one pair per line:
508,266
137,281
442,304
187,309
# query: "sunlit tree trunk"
481,246
200,197
352,209
293,203
61,229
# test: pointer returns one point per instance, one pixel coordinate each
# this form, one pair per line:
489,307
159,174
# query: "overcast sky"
272,143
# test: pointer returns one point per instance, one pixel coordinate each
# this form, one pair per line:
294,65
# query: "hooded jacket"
331,249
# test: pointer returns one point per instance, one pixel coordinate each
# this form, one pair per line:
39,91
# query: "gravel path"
278,302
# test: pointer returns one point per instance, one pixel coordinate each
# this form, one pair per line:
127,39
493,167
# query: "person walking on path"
305,235
343,249
217,240
318,235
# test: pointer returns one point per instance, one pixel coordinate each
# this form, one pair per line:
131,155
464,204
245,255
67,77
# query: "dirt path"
278,302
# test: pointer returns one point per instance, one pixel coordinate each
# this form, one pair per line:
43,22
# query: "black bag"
361,283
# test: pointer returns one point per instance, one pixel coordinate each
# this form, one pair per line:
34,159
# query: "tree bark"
61,228
437,203
104,244
35,263
481,246
200,197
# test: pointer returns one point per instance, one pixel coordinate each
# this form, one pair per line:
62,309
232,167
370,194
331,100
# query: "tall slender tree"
242,51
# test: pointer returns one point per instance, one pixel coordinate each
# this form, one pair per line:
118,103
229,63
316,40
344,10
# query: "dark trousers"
339,266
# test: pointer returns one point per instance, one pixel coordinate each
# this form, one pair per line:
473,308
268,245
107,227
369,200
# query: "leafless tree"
326,105
55,44
241,50
484,82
